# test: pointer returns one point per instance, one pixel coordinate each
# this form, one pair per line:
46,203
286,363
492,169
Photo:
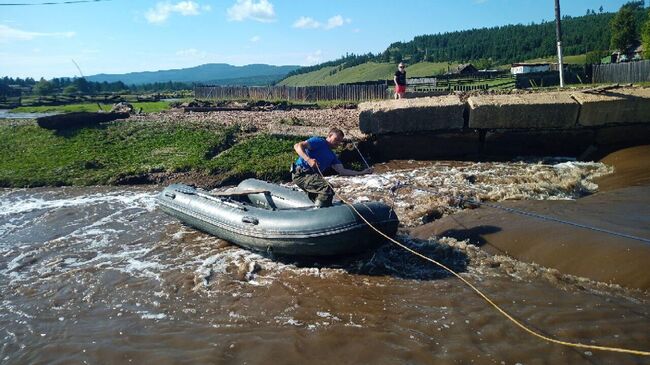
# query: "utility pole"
558,36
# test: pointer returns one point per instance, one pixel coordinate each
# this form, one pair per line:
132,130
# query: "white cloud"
262,11
336,21
255,39
314,58
306,23
164,10
8,34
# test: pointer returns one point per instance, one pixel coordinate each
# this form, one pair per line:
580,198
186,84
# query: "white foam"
126,198
147,315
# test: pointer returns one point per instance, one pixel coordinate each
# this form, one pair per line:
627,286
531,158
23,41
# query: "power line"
69,2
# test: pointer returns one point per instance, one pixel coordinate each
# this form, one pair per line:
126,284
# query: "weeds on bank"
33,156
265,157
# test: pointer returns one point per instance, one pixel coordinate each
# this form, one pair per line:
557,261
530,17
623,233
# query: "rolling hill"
212,73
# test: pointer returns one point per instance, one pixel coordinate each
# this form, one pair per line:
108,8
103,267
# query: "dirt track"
288,122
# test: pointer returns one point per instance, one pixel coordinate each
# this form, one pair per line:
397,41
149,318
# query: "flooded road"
99,275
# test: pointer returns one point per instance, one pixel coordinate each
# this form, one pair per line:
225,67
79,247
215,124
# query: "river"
99,275
7,114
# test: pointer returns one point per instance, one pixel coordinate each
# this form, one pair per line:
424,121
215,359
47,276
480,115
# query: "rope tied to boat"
478,291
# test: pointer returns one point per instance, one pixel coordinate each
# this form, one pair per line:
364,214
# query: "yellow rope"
480,293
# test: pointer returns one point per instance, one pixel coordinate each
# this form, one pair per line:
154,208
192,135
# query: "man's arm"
395,79
300,148
347,172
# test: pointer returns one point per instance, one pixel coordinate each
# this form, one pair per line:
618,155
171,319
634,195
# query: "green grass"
147,107
424,69
266,157
572,60
36,157
370,71
33,156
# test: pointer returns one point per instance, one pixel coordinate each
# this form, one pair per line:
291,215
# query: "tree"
594,57
623,26
43,87
82,85
600,10
645,38
71,89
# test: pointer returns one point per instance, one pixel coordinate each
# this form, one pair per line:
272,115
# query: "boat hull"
282,221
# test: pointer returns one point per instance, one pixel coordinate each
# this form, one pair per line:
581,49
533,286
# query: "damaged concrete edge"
569,139
565,115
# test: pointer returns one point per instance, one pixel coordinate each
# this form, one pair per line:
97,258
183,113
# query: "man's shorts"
400,89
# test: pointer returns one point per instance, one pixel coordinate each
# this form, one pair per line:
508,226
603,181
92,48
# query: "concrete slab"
412,115
425,146
535,111
614,106
537,142
623,136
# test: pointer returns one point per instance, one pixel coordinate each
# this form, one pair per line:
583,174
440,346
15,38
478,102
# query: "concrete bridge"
581,124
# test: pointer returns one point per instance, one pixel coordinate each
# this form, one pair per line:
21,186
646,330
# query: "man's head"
401,66
335,137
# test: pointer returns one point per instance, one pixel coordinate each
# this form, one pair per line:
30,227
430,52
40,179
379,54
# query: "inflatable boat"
267,217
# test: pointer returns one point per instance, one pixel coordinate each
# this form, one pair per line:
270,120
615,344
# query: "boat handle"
169,194
250,220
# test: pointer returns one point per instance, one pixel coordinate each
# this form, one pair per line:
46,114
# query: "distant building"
465,69
526,68
631,54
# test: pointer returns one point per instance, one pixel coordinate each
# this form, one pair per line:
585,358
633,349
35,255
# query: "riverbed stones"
614,106
412,115
550,110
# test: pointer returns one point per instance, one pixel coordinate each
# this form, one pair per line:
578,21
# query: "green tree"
594,57
82,85
71,89
43,87
645,37
623,26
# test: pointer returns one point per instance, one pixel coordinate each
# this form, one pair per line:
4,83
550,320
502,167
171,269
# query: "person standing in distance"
315,155
400,81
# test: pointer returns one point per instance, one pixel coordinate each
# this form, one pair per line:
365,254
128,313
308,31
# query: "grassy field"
33,156
370,71
571,60
147,107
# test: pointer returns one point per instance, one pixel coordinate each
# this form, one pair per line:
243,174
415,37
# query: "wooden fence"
307,93
628,72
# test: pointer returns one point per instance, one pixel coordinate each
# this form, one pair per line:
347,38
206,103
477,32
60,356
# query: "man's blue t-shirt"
321,152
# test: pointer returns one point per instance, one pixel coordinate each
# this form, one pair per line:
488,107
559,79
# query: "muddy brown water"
98,275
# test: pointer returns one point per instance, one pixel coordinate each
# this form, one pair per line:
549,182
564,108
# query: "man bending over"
316,154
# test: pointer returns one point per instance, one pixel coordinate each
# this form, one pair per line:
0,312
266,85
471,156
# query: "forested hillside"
491,47
507,44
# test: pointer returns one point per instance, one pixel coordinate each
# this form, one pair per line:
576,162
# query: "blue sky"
119,36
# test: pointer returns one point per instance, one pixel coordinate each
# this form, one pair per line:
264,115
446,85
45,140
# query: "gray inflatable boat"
267,217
